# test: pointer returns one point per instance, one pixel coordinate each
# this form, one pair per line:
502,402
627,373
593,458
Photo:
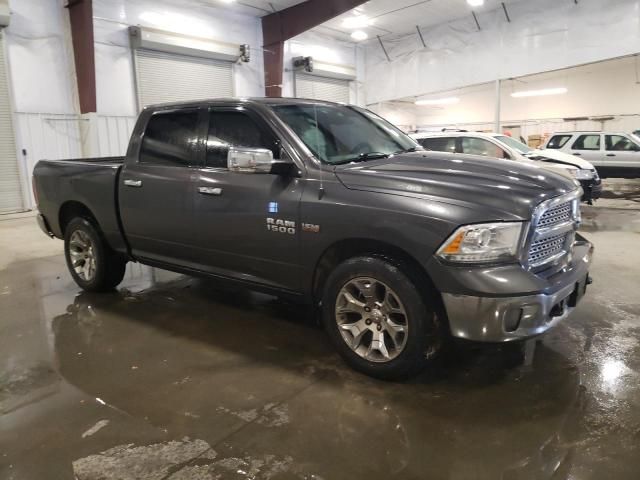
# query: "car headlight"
584,174
483,242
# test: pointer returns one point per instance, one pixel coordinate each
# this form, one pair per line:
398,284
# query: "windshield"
340,134
515,144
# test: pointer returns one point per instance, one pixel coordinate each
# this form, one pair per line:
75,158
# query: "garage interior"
177,377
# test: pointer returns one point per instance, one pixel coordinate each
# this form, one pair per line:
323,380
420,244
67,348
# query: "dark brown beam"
279,27
81,19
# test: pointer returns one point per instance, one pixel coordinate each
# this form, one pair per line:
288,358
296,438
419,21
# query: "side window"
480,146
558,141
439,144
235,129
587,142
170,139
618,143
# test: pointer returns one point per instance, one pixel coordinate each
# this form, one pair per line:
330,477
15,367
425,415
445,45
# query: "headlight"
484,242
584,174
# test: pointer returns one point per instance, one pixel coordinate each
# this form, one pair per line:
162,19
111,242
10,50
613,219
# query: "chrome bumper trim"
486,319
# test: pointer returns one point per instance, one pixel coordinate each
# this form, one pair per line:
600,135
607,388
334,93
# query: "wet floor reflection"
174,377
201,362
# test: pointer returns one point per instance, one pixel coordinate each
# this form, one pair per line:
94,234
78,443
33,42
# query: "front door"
589,147
247,223
156,192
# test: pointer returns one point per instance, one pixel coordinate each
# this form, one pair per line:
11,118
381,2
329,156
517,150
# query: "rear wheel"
378,320
92,264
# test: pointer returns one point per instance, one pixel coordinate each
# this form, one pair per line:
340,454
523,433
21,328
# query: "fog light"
512,319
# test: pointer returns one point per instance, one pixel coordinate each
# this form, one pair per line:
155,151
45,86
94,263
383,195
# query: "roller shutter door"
10,189
322,88
168,77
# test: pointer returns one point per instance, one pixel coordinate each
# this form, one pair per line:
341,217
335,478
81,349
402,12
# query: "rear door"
439,144
622,157
233,210
481,146
589,147
156,192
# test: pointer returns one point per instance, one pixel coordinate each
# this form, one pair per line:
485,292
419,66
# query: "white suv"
502,146
613,154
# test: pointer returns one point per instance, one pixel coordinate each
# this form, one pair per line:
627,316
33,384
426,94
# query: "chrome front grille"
555,222
542,250
553,216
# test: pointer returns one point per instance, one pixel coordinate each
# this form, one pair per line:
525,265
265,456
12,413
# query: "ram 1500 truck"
400,248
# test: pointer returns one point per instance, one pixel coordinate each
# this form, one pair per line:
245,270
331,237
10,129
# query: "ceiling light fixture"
359,35
357,21
475,3
539,93
438,101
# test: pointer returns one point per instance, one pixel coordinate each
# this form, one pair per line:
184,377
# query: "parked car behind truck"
613,154
502,146
328,203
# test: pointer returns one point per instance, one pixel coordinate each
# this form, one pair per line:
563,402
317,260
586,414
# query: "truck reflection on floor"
184,346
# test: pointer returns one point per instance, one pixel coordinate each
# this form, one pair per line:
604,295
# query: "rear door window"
439,144
558,141
480,146
618,143
587,142
235,129
170,138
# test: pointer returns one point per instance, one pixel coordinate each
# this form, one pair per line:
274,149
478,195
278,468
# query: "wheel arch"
72,209
344,249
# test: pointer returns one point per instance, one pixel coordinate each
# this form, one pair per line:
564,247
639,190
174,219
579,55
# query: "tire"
390,284
97,268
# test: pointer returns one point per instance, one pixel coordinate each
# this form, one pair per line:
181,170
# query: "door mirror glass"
250,160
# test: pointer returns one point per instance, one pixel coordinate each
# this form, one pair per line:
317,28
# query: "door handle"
576,154
611,154
133,183
210,190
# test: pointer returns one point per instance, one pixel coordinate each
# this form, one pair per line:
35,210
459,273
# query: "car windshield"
515,144
341,134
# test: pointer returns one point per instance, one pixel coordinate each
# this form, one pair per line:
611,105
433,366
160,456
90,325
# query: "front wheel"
92,264
378,320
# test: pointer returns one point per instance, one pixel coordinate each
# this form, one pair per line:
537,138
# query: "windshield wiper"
363,157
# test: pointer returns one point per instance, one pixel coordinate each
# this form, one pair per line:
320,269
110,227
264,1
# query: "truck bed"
91,182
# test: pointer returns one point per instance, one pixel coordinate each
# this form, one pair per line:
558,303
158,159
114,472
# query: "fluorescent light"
359,35
539,93
475,3
357,21
438,101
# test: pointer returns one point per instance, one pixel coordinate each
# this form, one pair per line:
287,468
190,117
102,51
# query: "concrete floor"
171,378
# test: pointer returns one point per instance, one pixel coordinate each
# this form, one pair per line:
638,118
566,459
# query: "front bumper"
507,317
592,189
44,225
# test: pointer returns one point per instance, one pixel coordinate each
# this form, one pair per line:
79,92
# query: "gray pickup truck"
400,248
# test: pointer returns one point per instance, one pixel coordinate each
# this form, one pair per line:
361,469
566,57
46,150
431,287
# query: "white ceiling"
255,8
397,17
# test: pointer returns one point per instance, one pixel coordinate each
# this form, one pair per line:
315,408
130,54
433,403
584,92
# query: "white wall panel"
115,71
113,134
46,136
543,35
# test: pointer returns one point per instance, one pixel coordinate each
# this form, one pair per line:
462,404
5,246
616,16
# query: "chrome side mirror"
250,160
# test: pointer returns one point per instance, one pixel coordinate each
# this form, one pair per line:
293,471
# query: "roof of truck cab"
454,133
246,100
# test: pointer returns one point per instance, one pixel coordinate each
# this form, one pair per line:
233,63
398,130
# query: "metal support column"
496,122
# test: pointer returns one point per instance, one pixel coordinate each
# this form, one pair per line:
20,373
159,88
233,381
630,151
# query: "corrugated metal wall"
59,136
113,135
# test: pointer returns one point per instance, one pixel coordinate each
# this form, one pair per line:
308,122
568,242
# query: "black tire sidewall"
412,359
99,251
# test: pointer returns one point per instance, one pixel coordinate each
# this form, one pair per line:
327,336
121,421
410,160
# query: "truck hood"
561,157
503,189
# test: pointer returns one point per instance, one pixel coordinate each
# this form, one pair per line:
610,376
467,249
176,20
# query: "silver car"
613,154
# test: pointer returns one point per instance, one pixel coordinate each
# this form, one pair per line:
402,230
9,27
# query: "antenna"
317,135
